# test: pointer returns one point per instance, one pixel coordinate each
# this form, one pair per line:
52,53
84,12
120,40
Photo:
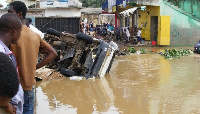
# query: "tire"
53,32
85,37
67,72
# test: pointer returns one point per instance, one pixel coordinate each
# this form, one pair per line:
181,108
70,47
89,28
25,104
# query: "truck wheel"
53,32
85,37
67,72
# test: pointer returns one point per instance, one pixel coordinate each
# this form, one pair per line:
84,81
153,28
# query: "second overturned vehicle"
80,54
197,48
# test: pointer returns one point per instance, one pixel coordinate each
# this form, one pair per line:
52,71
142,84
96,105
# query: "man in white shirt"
139,33
127,34
34,28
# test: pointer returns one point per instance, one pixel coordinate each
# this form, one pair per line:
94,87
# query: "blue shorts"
139,38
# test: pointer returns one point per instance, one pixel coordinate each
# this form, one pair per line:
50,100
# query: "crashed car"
197,48
80,54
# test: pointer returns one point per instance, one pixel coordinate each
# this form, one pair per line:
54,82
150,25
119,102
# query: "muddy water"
136,84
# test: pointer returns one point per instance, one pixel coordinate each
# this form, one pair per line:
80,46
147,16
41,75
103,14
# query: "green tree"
92,3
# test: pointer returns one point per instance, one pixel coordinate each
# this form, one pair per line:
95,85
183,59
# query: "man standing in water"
26,52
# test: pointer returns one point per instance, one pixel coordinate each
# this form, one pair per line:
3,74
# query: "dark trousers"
139,39
118,37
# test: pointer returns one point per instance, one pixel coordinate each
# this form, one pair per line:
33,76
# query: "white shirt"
36,31
139,33
18,99
127,33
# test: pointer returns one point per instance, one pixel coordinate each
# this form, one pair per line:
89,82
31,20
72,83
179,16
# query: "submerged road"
136,84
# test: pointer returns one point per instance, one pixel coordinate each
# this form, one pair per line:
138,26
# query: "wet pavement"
136,84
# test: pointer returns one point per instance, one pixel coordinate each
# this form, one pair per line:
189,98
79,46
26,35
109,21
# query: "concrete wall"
27,2
146,2
107,18
91,18
54,4
185,31
60,12
184,28
74,3
35,13
65,12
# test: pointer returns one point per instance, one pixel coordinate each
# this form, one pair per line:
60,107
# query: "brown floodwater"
136,84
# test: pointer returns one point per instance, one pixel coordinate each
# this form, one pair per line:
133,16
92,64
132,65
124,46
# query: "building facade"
91,14
61,15
169,22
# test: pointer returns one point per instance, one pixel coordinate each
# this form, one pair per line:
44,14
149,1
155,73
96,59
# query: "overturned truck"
80,54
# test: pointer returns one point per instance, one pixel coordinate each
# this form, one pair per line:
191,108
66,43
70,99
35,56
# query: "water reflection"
137,84
86,95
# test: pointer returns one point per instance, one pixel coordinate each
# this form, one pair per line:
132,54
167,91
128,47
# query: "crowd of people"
108,32
19,48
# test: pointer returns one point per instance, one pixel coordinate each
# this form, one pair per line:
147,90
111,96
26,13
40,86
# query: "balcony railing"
146,2
190,7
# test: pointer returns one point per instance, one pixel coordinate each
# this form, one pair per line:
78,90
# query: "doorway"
135,22
154,28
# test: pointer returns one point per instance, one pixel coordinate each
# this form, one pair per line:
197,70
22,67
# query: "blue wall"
118,2
105,5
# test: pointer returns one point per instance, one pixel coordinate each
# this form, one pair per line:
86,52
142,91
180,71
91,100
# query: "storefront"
110,8
154,27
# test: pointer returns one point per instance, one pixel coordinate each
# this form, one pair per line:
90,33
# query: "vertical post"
115,20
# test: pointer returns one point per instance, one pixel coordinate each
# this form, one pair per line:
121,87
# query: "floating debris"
143,51
55,101
131,49
174,53
77,78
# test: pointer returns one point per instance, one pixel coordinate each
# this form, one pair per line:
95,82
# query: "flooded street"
136,84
